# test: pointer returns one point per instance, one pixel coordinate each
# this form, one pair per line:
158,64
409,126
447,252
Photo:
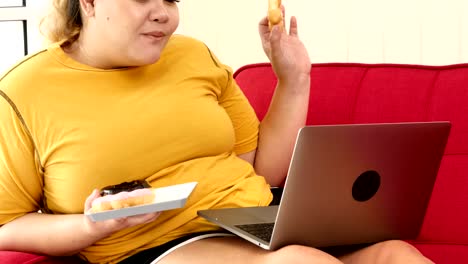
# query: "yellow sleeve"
243,117
20,180
242,114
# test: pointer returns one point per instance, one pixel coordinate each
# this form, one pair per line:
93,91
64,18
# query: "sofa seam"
357,91
430,95
366,65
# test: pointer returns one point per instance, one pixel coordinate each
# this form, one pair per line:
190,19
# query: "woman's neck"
80,51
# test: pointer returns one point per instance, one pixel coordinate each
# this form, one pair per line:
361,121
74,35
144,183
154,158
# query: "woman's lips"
155,35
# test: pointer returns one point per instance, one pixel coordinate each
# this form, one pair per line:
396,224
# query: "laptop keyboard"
263,230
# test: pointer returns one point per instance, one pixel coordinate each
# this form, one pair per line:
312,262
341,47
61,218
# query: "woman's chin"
145,60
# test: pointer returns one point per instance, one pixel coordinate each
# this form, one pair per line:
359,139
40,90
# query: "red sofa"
365,93
371,93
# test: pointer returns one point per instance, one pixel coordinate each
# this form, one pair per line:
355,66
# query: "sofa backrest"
373,93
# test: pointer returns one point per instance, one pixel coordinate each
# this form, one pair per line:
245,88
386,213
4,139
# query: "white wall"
433,32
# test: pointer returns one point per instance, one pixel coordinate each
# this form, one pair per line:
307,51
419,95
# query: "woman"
120,98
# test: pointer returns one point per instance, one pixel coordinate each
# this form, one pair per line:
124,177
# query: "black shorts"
149,255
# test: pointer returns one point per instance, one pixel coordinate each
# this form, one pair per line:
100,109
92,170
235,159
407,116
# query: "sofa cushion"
20,257
13,257
444,253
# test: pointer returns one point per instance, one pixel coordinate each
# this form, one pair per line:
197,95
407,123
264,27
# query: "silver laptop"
348,184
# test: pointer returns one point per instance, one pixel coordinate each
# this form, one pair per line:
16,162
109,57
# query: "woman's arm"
278,130
61,235
288,109
54,235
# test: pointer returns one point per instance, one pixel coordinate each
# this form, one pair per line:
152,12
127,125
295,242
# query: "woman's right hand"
105,228
286,52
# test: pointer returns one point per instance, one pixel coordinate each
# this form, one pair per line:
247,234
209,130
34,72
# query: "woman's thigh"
231,250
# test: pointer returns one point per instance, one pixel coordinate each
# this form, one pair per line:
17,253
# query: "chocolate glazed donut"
124,187
123,195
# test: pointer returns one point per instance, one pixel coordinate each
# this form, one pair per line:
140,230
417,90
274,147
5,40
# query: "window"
10,3
17,24
14,42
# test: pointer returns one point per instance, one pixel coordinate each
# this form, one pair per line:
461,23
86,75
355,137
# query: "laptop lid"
359,183
351,184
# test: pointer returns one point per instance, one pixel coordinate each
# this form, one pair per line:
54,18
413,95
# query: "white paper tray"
166,198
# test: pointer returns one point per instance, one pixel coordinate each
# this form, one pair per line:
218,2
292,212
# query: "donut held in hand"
275,14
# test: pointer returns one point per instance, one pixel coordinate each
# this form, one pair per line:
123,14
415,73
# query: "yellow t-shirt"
67,128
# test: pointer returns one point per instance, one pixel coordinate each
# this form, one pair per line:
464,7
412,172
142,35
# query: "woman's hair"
64,23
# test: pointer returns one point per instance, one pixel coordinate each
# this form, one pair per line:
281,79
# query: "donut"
125,186
123,195
275,14
123,200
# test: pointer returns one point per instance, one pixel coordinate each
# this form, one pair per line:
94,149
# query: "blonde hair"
64,22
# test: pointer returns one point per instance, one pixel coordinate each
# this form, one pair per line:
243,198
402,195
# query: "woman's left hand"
286,52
